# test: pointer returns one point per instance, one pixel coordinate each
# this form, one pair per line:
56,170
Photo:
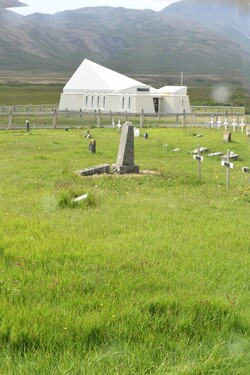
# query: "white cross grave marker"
225,123
228,165
242,125
199,159
211,122
234,125
219,122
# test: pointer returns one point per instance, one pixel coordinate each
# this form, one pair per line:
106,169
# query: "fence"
49,117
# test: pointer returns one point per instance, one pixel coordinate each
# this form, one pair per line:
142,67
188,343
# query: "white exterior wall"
144,102
175,104
72,102
106,102
171,104
129,103
123,102
113,103
186,104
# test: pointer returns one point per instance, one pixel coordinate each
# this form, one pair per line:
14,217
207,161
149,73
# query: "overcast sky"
53,6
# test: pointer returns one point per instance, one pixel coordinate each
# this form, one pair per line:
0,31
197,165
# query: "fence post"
10,119
98,118
27,126
142,119
54,115
184,118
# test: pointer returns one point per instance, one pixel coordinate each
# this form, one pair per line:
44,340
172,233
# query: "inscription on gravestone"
125,157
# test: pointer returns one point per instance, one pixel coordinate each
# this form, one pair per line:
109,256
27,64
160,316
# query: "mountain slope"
185,36
11,4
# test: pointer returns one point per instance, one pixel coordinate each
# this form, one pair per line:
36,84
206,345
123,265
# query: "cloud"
48,6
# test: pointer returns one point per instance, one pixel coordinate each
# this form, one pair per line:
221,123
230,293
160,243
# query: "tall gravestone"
125,158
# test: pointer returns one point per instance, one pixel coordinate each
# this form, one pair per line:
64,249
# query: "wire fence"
48,116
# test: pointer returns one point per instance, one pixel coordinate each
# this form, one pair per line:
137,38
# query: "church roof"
94,77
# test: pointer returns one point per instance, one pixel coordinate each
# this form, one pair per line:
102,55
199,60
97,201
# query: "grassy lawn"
148,275
26,94
30,93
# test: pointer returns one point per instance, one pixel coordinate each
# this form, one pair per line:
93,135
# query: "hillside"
209,42
185,36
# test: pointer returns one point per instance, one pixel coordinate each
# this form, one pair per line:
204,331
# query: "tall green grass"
26,94
30,93
149,276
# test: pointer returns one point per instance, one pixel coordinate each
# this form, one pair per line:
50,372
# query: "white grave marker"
228,165
225,124
199,159
80,198
234,125
242,125
219,122
245,170
136,132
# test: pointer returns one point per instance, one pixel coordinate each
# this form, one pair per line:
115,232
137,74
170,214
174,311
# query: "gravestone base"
122,169
99,169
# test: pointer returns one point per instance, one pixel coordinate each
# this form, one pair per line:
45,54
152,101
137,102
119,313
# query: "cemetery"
129,268
124,244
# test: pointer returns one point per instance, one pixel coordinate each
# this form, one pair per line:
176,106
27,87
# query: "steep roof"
94,77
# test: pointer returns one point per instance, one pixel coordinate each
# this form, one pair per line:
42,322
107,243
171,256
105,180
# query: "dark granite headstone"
92,146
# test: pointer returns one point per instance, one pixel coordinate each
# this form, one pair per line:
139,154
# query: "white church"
94,87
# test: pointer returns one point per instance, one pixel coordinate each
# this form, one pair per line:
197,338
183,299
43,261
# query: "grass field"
31,93
26,94
148,275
